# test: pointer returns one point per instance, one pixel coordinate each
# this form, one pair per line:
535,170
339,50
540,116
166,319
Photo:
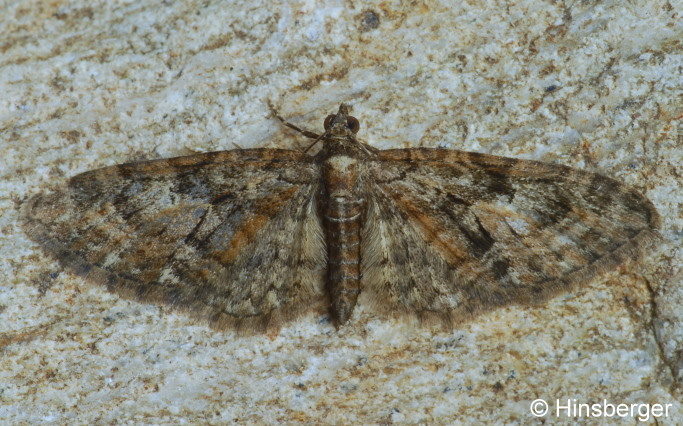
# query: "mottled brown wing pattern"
451,233
231,236
236,237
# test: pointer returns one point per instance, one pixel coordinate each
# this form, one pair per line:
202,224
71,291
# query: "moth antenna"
307,133
315,142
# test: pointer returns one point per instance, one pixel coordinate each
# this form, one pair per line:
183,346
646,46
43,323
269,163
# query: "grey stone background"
86,84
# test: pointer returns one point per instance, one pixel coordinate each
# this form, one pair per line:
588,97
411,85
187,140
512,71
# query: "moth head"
341,123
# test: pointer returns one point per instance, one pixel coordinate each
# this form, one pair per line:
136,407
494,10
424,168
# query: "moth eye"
328,121
353,124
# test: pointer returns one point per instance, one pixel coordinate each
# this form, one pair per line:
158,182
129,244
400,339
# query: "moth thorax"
342,163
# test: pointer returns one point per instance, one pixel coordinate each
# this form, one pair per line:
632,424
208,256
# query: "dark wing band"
230,236
452,233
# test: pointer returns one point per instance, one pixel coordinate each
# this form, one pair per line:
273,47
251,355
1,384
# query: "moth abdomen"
342,219
343,209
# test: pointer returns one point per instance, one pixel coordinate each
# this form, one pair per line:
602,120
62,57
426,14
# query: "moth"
250,238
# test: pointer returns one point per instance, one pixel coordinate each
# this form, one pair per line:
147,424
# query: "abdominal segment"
342,206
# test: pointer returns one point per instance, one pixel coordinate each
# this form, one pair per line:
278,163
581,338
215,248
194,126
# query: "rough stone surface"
89,84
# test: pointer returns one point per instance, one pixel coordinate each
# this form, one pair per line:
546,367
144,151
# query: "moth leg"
306,133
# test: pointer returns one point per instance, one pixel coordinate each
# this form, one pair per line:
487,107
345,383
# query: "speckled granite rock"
89,84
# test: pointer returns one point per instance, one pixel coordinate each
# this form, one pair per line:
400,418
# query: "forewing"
450,233
230,236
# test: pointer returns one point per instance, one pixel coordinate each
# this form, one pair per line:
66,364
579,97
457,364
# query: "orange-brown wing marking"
452,232
434,232
230,236
264,210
